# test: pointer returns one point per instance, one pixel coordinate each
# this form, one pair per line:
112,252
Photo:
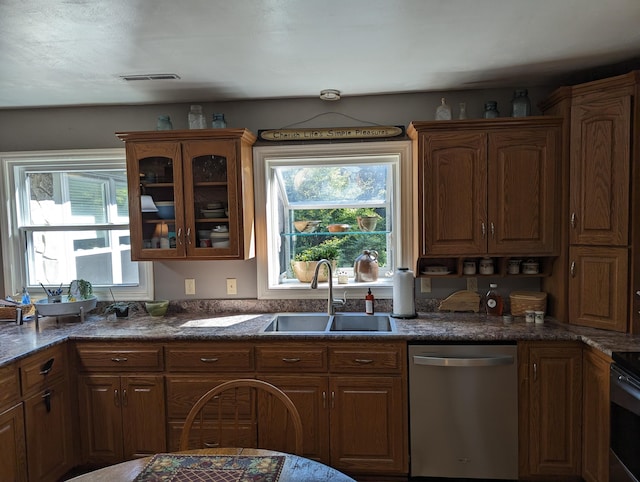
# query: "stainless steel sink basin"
298,322
318,323
358,322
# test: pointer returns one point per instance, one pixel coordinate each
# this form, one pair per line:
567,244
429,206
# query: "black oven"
624,458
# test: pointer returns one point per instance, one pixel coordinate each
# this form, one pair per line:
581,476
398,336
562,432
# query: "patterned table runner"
212,468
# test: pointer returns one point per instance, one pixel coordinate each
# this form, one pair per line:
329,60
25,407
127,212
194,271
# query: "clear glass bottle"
443,112
493,301
164,123
491,109
520,104
462,114
218,121
196,118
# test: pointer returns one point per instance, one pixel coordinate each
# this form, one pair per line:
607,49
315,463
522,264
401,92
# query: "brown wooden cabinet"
603,272
13,463
122,415
486,187
595,415
208,176
550,409
355,415
49,426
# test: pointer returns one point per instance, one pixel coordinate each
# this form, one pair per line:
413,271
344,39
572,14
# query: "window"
331,184
68,219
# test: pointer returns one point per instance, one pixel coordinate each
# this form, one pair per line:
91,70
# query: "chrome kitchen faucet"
331,302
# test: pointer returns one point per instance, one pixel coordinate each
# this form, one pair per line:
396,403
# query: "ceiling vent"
131,78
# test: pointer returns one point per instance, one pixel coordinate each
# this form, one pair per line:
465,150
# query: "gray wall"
94,127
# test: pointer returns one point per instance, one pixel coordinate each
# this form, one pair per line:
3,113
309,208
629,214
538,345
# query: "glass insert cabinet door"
186,199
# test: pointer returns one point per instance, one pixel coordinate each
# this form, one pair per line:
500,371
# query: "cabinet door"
155,169
49,438
522,172
598,287
143,415
600,150
13,463
212,199
367,416
452,193
311,397
595,416
100,419
554,416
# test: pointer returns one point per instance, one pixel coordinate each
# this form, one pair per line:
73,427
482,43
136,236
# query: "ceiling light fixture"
330,94
130,78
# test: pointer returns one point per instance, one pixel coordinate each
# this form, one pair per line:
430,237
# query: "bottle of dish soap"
493,301
26,298
368,303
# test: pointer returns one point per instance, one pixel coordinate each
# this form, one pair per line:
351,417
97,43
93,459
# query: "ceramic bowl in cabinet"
166,209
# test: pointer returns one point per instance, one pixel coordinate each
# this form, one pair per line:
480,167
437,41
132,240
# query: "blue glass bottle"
218,121
164,123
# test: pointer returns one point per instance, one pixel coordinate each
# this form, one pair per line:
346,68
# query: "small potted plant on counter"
120,308
304,263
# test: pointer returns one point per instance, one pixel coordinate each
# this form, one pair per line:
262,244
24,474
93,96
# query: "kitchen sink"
317,323
359,322
298,322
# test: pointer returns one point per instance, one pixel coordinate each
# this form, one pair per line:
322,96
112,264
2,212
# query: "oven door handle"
452,361
624,393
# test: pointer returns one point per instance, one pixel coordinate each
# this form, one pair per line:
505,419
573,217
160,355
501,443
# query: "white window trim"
13,255
403,213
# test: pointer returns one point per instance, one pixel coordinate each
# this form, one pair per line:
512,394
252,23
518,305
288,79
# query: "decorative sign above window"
330,133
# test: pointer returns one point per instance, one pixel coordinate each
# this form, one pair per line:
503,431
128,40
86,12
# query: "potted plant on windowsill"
304,263
120,308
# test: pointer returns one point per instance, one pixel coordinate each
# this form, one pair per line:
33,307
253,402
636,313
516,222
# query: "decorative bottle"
196,118
493,301
443,112
520,104
462,114
491,109
164,123
218,121
368,303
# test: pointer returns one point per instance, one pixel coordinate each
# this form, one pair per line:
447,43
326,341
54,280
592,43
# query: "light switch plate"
232,287
472,284
189,286
425,285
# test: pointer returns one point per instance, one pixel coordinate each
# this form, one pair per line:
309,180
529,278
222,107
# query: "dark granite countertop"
19,341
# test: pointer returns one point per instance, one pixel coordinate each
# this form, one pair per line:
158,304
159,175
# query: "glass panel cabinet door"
155,187
211,200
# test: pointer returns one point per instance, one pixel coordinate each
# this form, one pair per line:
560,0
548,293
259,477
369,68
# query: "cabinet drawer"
118,357
362,358
10,384
40,369
292,358
209,358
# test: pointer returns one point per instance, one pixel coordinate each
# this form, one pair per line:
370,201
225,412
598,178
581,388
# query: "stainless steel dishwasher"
464,411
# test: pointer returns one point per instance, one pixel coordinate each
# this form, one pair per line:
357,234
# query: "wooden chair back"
228,416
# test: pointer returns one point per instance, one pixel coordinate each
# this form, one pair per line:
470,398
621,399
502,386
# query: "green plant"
326,250
367,212
118,306
79,289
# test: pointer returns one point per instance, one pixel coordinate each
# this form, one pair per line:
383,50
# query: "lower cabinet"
595,416
353,410
13,463
550,409
121,417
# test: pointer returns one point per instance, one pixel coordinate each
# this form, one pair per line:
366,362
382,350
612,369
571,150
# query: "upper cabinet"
600,149
487,186
190,194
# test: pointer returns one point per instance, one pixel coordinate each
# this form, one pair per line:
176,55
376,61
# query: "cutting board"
464,300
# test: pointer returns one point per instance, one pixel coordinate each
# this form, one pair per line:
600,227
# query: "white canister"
404,294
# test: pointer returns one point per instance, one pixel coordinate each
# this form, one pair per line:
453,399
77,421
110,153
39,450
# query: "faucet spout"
314,285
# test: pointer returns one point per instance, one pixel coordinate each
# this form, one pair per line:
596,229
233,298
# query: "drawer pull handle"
363,361
211,445
46,368
118,359
291,360
208,360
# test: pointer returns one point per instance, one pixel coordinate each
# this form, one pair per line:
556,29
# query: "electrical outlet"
189,286
232,287
472,284
425,285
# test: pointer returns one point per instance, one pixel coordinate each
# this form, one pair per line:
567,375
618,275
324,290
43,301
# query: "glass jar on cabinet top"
520,104
491,109
218,121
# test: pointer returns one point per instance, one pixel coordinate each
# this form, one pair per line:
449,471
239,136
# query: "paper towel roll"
404,294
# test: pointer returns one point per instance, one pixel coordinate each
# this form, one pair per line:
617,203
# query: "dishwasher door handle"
452,361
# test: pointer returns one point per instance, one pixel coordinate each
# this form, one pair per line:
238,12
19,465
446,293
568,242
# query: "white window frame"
13,241
403,213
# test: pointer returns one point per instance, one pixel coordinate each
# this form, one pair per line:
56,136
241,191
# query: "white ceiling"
73,52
